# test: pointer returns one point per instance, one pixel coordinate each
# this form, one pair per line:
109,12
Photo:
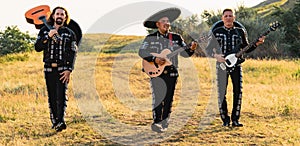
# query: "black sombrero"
172,13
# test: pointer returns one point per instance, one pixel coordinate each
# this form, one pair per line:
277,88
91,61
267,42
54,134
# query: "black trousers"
163,88
57,96
222,82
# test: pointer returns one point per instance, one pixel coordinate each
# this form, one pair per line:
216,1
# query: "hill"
109,43
268,6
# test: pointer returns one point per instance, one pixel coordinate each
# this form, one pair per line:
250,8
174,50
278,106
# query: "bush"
12,40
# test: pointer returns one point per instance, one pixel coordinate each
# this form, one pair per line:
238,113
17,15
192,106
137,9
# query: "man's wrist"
255,45
153,58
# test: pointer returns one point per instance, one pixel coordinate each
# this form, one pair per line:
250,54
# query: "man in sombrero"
163,85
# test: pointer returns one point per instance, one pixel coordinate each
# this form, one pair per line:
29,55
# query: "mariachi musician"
59,45
163,85
229,36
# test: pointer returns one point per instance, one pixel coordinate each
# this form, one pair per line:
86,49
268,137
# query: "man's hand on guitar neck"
52,32
159,60
260,40
194,45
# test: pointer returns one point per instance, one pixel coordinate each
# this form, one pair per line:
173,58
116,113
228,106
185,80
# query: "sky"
110,16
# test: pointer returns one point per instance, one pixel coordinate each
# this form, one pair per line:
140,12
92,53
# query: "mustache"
59,19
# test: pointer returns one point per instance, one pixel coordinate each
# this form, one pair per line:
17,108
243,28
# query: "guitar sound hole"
37,11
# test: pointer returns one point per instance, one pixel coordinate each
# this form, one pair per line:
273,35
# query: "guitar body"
32,16
153,70
231,60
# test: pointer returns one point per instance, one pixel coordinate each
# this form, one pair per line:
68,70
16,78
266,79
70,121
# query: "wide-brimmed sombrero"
172,13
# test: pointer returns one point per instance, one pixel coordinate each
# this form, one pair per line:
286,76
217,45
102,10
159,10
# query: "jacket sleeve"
187,49
42,40
72,52
144,51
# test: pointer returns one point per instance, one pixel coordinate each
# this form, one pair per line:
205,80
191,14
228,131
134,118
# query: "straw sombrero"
172,13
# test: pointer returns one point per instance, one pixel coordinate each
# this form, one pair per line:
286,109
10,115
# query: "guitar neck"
240,53
175,52
43,19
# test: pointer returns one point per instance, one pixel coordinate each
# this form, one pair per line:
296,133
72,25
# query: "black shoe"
60,126
157,127
226,122
236,124
54,125
165,124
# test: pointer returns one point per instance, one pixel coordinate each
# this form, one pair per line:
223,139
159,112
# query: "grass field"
270,109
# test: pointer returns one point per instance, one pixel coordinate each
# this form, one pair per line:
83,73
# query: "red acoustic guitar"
39,16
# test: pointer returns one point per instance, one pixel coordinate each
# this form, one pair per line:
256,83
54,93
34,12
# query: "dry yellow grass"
269,110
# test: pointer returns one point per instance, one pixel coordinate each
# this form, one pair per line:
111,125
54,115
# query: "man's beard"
59,21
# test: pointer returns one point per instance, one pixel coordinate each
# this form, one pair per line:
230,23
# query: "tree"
290,20
12,40
245,13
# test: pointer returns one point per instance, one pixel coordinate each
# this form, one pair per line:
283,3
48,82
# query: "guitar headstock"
202,39
274,25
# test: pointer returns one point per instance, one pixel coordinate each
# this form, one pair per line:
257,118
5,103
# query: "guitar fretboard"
240,53
175,52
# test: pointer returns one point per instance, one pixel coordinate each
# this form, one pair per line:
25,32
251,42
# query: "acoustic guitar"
153,70
32,16
39,16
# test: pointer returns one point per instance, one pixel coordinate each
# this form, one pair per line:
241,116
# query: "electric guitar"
39,16
233,59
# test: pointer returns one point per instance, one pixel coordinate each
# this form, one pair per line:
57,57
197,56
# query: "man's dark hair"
51,20
225,10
